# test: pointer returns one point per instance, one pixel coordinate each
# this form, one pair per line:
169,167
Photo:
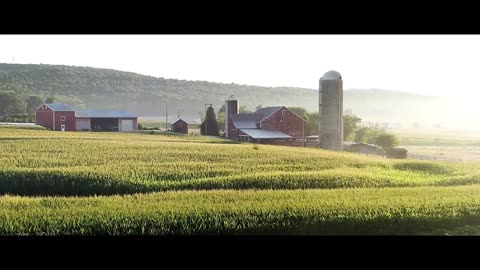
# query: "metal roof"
59,107
248,120
105,114
257,133
267,111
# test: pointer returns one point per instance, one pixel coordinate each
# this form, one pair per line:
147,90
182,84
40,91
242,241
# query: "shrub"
387,140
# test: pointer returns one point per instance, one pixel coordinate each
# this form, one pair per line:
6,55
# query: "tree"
211,123
10,103
362,134
259,106
387,140
243,109
350,126
221,120
375,130
50,100
33,102
313,119
368,133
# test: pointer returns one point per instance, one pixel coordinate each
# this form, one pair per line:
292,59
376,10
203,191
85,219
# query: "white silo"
331,111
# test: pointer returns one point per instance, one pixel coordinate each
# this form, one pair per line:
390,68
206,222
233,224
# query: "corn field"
82,183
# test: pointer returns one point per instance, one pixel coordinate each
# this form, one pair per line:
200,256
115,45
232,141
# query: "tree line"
15,107
85,87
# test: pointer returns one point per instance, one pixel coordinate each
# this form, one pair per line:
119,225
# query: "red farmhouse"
61,117
269,125
179,126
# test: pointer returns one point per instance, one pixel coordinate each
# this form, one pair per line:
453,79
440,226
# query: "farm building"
56,116
363,148
61,117
398,153
266,125
179,126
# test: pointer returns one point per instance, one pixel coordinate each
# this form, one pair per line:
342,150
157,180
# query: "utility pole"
166,117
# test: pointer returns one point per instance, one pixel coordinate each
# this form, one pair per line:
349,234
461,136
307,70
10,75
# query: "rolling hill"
94,88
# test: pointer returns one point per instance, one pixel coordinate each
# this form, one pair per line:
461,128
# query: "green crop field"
440,144
83,183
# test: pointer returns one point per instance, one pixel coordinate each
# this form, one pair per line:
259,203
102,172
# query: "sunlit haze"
445,65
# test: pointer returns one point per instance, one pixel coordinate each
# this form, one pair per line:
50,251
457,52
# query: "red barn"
56,116
179,126
61,117
269,125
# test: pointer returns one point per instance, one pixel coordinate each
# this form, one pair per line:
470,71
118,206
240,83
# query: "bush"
387,140
140,126
18,118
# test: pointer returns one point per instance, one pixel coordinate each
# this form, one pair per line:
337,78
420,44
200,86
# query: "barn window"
62,118
283,112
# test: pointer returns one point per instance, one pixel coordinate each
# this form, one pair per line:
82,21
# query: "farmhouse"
266,125
61,117
179,126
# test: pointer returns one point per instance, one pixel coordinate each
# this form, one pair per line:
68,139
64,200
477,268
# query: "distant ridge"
99,88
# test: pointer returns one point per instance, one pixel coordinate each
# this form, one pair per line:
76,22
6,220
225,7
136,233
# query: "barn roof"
248,120
59,107
267,111
105,114
179,119
257,133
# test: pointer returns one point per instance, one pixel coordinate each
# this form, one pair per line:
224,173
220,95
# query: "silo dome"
332,75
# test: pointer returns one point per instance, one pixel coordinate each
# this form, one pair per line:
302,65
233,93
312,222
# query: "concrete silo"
331,111
231,107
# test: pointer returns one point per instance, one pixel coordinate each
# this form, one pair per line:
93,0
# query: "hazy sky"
424,64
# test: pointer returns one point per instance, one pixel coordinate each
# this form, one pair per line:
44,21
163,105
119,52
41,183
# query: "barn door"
127,125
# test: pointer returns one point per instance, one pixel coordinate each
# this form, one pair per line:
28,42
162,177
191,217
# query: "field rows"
166,184
351,211
99,163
